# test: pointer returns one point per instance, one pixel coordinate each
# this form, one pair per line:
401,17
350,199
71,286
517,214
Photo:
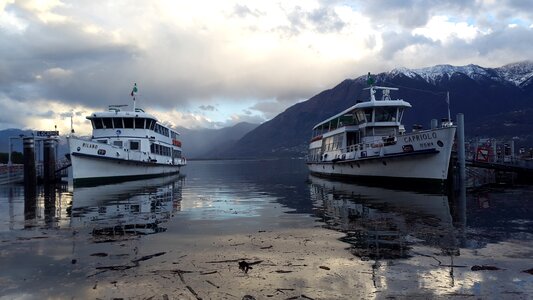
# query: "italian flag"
134,91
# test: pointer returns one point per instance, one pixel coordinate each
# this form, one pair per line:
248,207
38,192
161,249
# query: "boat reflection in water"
126,209
382,223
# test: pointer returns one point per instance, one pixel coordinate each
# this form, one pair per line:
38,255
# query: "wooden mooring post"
49,161
30,169
30,178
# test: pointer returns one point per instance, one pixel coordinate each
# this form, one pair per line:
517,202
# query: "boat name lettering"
87,145
420,137
426,145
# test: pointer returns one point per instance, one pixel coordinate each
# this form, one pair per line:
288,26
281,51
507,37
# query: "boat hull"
418,164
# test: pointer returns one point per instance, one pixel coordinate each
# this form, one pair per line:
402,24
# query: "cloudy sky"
216,63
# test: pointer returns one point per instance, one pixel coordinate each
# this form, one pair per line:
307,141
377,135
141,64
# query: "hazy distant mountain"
196,143
208,143
496,102
17,143
12,132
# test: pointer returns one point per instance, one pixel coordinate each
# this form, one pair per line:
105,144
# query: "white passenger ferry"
369,140
125,145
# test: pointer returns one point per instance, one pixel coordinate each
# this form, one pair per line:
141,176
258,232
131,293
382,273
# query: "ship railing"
11,173
352,148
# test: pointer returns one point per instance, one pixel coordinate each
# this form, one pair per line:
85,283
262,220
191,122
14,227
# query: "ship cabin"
371,124
135,131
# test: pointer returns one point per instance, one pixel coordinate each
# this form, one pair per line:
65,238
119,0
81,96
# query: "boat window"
97,123
325,128
352,138
117,123
139,123
102,141
346,120
332,142
148,124
108,123
134,145
128,123
117,143
400,114
177,153
384,131
160,150
368,114
359,117
333,124
385,114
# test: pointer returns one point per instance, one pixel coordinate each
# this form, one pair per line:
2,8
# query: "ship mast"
448,102
133,94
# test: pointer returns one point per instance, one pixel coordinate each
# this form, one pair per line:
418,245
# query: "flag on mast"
134,91
369,79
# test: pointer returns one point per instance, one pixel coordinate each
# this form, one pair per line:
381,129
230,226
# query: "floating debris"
483,268
530,271
244,266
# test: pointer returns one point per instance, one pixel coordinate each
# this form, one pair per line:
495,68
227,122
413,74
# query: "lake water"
304,237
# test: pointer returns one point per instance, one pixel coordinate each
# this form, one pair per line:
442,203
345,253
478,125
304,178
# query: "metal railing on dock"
495,161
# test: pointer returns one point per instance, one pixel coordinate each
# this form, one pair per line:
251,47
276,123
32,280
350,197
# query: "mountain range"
207,143
496,102
197,143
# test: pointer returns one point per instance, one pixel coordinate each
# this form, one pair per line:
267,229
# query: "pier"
35,168
491,160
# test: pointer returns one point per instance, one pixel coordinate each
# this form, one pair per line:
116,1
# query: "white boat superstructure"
368,139
125,145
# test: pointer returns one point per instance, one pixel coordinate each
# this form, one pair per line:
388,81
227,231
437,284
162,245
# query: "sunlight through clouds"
251,60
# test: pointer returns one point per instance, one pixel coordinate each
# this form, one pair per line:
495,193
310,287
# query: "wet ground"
267,230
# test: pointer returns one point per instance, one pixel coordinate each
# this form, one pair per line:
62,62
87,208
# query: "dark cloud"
243,11
394,42
47,115
414,13
323,20
60,61
208,107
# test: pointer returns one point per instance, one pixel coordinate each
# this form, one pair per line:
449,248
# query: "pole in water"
461,146
30,171
49,161
30,178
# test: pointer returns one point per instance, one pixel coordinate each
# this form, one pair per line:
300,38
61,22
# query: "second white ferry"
369,140
125,145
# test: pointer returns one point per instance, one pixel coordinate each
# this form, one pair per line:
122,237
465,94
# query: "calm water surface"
90,242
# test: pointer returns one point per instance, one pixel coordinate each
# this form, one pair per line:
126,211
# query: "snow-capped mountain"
496,102
518,74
